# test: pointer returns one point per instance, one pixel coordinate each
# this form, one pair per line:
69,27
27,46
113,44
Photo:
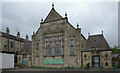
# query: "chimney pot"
18,34
7,31
27,37
88,34
102,32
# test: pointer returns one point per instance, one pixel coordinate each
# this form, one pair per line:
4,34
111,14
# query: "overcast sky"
93,17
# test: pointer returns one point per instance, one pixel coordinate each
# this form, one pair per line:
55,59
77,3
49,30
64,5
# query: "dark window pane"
49,51
85,56
37,49
11,44
57,51
106,63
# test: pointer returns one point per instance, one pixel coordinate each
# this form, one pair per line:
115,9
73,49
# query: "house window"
106,63
49,51
93,52
37,45
19,58
11,44
85,56
4,46
97,52
29,58
106,56
57,51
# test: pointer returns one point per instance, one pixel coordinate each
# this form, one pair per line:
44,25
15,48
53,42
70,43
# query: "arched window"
72,41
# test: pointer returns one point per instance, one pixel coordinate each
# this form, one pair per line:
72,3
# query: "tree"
116,50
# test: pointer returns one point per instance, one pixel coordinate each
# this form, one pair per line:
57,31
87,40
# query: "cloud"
92,17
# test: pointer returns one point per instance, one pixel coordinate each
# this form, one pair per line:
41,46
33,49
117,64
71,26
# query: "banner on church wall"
53,61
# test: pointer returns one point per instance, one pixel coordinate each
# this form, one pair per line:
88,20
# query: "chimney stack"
102,32
88,34
18,34
33,33
27,37
77,25
7,31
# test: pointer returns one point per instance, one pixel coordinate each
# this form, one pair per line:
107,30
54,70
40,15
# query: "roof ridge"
53,15
96,35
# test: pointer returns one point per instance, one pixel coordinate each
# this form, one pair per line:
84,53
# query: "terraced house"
13,44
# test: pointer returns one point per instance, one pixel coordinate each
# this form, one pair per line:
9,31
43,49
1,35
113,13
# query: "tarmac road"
39,70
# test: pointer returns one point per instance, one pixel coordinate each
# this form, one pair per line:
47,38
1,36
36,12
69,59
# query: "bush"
72,67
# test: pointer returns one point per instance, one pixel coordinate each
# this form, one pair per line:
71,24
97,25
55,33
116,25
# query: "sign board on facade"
89,59
53,61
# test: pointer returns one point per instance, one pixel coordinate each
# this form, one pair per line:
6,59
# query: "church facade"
59,44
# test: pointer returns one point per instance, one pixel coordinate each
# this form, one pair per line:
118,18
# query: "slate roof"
26,47
12,37
53,15
96,41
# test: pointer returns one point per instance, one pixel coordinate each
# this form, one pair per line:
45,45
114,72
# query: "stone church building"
59,44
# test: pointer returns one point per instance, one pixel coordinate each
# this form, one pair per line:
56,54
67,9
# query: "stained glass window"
55,38
59,38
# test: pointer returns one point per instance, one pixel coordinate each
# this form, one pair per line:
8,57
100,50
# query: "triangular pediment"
53,15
